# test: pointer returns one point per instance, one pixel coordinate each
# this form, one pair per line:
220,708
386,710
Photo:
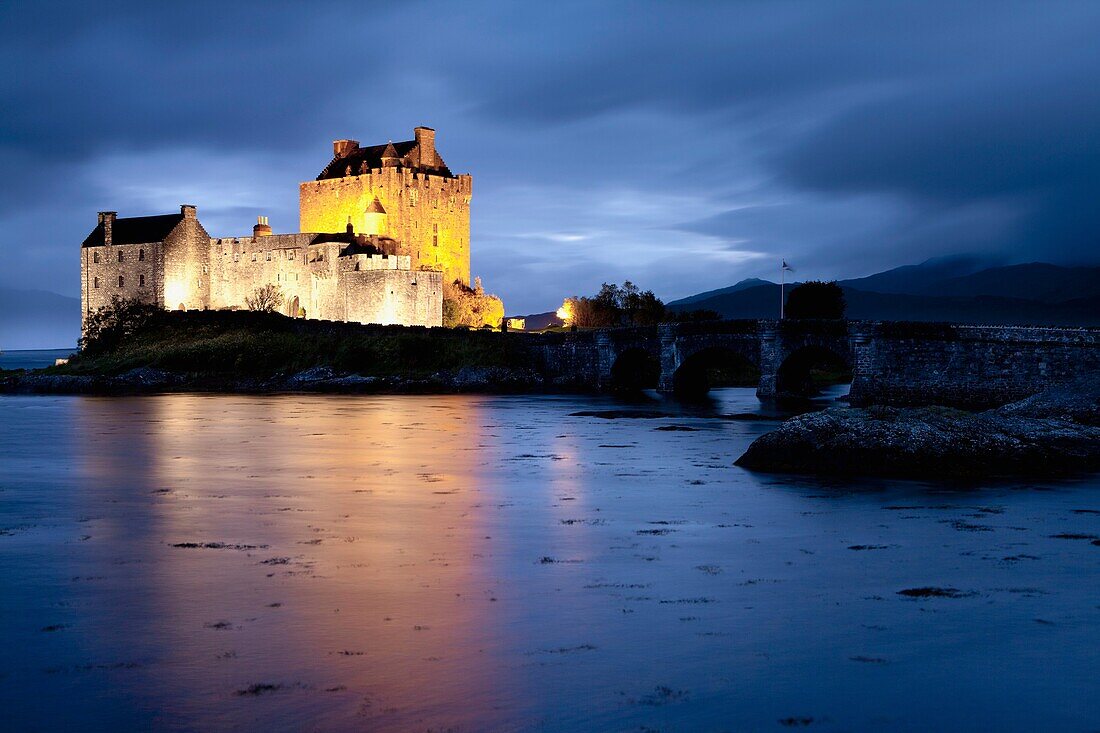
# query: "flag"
787,267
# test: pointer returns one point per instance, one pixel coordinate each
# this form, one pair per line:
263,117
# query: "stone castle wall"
186,265
428,214
141,268
317,283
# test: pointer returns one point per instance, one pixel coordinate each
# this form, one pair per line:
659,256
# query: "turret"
374,219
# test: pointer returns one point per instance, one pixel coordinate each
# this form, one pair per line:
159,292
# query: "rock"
144,377
49,383
929,442
1078,401
309,376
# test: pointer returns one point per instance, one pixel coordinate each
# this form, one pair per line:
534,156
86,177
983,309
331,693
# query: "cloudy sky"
681,145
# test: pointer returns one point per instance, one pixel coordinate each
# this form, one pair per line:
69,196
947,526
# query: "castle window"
435,228
141,255
95,257
121,282
141,281
290,254
236,257
269,256
253,256
435,240
120,255
204,269
96,283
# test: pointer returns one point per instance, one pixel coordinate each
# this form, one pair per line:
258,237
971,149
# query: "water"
470,563
32,359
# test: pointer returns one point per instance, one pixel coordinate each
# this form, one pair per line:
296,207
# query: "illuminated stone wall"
428,214
186,264
313,278
99,279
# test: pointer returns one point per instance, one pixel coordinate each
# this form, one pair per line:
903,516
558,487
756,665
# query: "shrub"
107,327
265,299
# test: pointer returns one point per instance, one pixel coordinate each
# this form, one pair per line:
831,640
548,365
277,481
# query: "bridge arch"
806,368
718,365
634,369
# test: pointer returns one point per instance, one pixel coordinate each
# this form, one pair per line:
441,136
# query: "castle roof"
135,230
376,207
371,157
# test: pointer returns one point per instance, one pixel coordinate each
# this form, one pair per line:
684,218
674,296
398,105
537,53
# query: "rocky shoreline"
1054,433
147,380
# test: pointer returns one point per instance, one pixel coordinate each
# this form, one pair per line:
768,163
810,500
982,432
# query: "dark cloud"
690,143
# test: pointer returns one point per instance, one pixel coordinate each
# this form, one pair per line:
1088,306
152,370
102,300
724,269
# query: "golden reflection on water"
358,582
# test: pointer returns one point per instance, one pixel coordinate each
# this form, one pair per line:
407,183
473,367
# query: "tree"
108,326
615,305
816,299
266,299
468,307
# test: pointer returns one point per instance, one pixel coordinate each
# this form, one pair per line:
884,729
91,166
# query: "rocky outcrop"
316,379
1053,433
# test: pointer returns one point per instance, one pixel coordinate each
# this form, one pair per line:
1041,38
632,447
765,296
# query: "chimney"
107,219
262,228
344,148
425,141
188,211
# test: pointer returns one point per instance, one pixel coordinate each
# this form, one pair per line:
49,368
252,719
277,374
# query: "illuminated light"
565,313
175,292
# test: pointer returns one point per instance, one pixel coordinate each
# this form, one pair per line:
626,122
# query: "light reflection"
351,536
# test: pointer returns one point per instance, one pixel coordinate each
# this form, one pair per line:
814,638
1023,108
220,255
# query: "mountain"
763,302
1033,281
918,279
962,289
38,319
745,284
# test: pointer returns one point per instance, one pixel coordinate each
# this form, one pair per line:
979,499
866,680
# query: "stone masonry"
384,228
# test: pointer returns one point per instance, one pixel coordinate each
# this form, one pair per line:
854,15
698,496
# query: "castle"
382,229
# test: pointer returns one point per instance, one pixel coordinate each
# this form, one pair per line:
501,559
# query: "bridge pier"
670,357
771,357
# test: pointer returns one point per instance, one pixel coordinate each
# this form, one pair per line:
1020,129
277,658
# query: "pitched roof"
372,157
135,230
376,207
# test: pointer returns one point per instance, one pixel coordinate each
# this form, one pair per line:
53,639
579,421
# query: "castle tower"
374,220
423,206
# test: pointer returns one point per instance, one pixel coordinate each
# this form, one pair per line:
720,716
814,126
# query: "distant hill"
539,321
1034,293
37,319
918,279
745,284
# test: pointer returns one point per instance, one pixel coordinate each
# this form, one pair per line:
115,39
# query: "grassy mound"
254,344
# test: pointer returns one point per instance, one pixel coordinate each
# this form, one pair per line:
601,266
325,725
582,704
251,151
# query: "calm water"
469,563
32,359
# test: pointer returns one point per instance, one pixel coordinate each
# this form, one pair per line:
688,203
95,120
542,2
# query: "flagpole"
782,282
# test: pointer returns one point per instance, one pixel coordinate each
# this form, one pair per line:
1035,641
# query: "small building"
516,324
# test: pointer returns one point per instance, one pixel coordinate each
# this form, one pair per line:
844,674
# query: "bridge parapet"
977,367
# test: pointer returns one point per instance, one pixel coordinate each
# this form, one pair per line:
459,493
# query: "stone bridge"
898,363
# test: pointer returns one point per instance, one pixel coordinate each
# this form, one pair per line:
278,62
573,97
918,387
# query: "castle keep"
383,228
